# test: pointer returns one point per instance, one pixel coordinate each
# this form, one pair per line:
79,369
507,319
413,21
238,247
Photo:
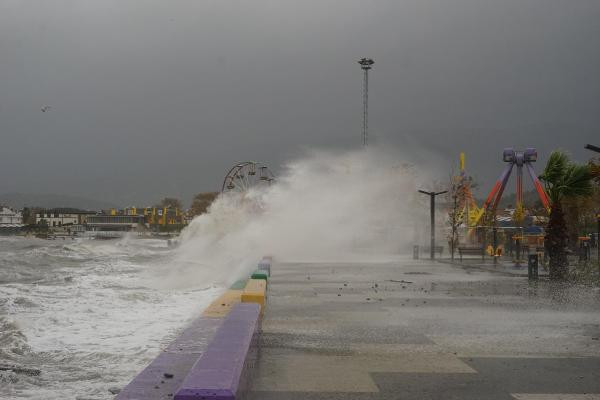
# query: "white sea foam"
81,313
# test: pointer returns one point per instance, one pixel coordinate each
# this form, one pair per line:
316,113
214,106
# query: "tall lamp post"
432,212
365,65
597,150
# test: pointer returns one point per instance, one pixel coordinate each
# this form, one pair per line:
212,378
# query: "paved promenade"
417,330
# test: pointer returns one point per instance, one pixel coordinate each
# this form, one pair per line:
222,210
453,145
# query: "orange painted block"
255,292
223,304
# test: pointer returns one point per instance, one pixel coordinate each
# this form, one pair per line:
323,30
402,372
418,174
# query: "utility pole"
365,65
432,212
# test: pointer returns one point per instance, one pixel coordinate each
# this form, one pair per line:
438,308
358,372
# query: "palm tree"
562,179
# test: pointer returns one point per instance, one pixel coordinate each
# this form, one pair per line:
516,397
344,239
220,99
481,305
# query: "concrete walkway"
416,330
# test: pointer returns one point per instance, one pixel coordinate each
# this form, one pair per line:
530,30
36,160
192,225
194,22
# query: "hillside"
51,200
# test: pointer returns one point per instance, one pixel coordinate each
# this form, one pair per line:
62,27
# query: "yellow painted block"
223,304
255,292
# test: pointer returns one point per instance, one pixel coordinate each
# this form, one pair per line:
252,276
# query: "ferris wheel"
246,175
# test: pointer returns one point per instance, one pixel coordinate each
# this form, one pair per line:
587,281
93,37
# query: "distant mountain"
52,200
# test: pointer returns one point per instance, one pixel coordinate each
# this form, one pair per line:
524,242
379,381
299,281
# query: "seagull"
45,108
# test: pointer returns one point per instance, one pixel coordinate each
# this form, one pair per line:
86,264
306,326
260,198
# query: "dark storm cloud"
153,98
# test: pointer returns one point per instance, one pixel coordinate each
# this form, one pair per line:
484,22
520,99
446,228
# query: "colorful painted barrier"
265,265
226,324
255,292
223,304
164,375
258,274
222,372
239,285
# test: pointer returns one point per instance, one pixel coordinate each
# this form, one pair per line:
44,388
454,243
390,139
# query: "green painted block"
258,274
238,285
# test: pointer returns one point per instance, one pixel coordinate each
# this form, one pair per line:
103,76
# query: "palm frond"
555,168
577,181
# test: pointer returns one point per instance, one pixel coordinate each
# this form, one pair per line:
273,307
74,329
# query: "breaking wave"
352,205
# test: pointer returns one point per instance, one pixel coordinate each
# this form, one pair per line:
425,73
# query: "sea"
80,318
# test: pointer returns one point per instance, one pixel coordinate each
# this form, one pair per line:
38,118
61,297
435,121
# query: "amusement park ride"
245,175
467,205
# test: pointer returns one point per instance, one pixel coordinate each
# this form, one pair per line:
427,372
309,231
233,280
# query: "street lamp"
432,212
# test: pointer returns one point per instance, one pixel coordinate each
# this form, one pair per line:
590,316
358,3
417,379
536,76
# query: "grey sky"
152,98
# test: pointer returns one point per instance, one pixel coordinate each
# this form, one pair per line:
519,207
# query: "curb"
214,357
487,269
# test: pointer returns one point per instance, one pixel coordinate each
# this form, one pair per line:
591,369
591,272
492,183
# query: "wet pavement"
419,330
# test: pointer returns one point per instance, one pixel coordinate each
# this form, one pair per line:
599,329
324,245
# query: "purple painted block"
195,338
221,373
265,265
176,361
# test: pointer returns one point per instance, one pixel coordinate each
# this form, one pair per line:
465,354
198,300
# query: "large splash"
325,206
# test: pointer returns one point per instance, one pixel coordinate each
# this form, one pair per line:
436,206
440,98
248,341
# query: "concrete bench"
223,304
471,251
238,285
259,274
255,292
222,372
265,265
164,375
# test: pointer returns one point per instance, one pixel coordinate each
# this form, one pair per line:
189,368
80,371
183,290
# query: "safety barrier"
265,265
258,274
223,304
212,357
164,375
255,292
222,372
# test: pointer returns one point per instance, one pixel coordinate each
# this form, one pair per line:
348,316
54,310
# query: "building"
57,217
10,216
155,216
11,221
115,223
163,216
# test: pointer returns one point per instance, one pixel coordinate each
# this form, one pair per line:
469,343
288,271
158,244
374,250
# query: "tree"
28,216
454,213
563,180
595,169
171,202
202,201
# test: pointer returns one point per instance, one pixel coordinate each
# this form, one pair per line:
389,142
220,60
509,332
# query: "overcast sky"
152,98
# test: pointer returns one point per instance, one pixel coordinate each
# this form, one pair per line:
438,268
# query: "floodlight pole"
597,150
598,242
365,65
432,212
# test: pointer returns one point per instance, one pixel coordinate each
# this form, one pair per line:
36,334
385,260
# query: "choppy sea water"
86,313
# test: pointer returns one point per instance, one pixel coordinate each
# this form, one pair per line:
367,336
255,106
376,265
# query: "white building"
8,216
115,223
62,216
11,221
